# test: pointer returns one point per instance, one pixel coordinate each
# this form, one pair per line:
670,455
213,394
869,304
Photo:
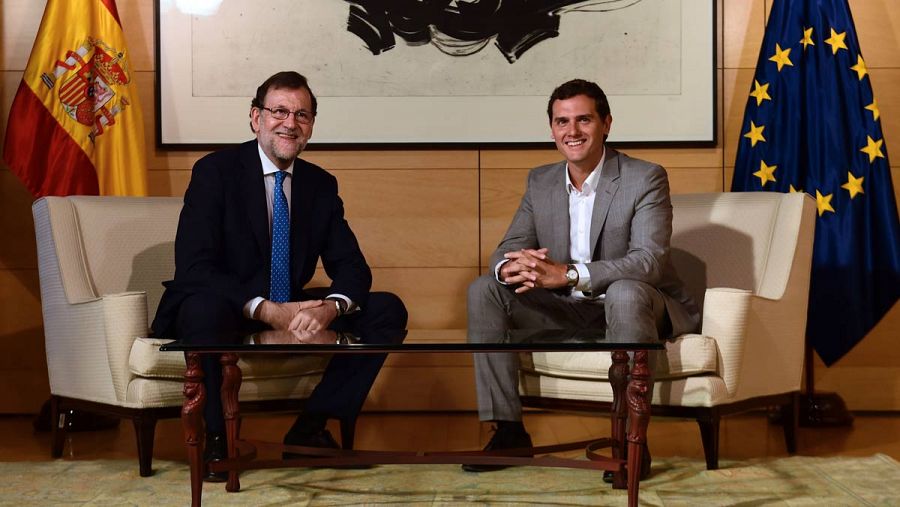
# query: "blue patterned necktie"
280,287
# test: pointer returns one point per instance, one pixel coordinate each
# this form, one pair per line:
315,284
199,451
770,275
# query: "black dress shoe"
216,449
321,439
505,437
645,466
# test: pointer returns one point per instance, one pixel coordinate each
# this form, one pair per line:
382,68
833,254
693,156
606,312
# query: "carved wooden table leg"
639,417
192,421
231,385
618,379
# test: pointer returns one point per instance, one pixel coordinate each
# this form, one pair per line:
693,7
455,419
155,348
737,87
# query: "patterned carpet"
795,481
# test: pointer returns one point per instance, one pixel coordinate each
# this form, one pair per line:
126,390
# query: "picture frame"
654,58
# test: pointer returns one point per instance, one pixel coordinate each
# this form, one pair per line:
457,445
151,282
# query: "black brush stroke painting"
465,27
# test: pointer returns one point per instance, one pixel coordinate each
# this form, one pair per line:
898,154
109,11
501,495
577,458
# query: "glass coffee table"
630,408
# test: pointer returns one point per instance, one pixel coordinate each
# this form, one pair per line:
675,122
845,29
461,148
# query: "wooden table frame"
630,403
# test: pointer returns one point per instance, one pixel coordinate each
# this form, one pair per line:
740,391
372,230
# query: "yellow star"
807,38
766,173
823,203
755,134
795,190
853,185
760,92
873,149
874,108
781,57
836,41
860,67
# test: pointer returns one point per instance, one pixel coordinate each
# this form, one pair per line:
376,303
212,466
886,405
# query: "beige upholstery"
102,261
746,257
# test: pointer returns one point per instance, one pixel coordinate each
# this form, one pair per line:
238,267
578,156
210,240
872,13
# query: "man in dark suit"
255,222
587,248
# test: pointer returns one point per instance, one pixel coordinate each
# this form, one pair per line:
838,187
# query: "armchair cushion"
146,361
690,354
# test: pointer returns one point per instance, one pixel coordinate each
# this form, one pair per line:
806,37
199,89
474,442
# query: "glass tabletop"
446,340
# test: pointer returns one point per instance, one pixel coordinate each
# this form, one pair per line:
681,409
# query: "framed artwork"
437,72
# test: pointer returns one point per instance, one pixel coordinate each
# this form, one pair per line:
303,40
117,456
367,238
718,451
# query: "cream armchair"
746,257
102,261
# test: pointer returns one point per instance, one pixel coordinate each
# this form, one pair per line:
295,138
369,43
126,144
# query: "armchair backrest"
109,245
741,240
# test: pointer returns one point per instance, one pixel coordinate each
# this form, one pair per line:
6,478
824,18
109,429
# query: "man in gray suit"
587,248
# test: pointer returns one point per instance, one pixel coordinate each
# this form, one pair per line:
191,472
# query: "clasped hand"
530,268
298,315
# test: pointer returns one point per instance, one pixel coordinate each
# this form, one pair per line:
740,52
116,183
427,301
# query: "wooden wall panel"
877,23
887,93
501,191
136,17
413,218
744,25
20,20
434,297
24,390
17,249
23,365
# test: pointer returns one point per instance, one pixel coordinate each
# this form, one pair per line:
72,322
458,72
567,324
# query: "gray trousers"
632,311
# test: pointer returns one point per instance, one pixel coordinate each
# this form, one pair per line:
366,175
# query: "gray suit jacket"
631,229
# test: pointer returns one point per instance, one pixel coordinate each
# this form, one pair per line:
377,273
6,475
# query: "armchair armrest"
125,319
725,312
759,339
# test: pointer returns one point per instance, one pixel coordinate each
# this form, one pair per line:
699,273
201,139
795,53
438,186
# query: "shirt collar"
590,183
268,166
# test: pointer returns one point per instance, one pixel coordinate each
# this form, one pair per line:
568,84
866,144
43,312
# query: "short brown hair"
576,87
286,79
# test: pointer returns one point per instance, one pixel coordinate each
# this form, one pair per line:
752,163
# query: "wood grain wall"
427,220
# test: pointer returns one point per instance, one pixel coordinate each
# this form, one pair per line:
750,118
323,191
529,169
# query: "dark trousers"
206,319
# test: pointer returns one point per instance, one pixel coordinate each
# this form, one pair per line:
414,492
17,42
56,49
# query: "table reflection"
287,337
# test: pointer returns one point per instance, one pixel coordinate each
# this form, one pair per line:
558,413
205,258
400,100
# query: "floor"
743,436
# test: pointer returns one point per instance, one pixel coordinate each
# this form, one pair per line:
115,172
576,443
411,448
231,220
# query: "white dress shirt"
581,213
269,170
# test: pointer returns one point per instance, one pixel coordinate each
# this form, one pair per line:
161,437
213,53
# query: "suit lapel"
559,208
257,209
606,190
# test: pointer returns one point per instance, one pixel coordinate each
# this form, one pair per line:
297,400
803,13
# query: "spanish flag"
75,126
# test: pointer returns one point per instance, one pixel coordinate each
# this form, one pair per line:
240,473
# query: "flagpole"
822,409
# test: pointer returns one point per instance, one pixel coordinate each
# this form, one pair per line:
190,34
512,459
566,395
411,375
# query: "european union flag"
812,124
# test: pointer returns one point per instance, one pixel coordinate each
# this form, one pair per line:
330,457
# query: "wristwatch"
339,305
571,275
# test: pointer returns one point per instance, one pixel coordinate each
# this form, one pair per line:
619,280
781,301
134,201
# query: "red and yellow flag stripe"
76,125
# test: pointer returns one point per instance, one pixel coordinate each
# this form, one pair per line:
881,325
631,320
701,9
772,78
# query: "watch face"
572,275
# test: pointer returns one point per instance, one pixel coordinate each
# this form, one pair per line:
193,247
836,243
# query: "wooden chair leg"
145,432
790,419
57,427
348,430
709,433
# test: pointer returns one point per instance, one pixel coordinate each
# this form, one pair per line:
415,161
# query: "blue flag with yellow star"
812,124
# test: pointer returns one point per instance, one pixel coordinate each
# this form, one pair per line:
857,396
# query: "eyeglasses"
301,115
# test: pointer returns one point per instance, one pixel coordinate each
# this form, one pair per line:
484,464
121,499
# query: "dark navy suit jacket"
223,243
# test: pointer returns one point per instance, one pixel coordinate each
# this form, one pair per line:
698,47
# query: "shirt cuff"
584,278
251,306
351,306
497,271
